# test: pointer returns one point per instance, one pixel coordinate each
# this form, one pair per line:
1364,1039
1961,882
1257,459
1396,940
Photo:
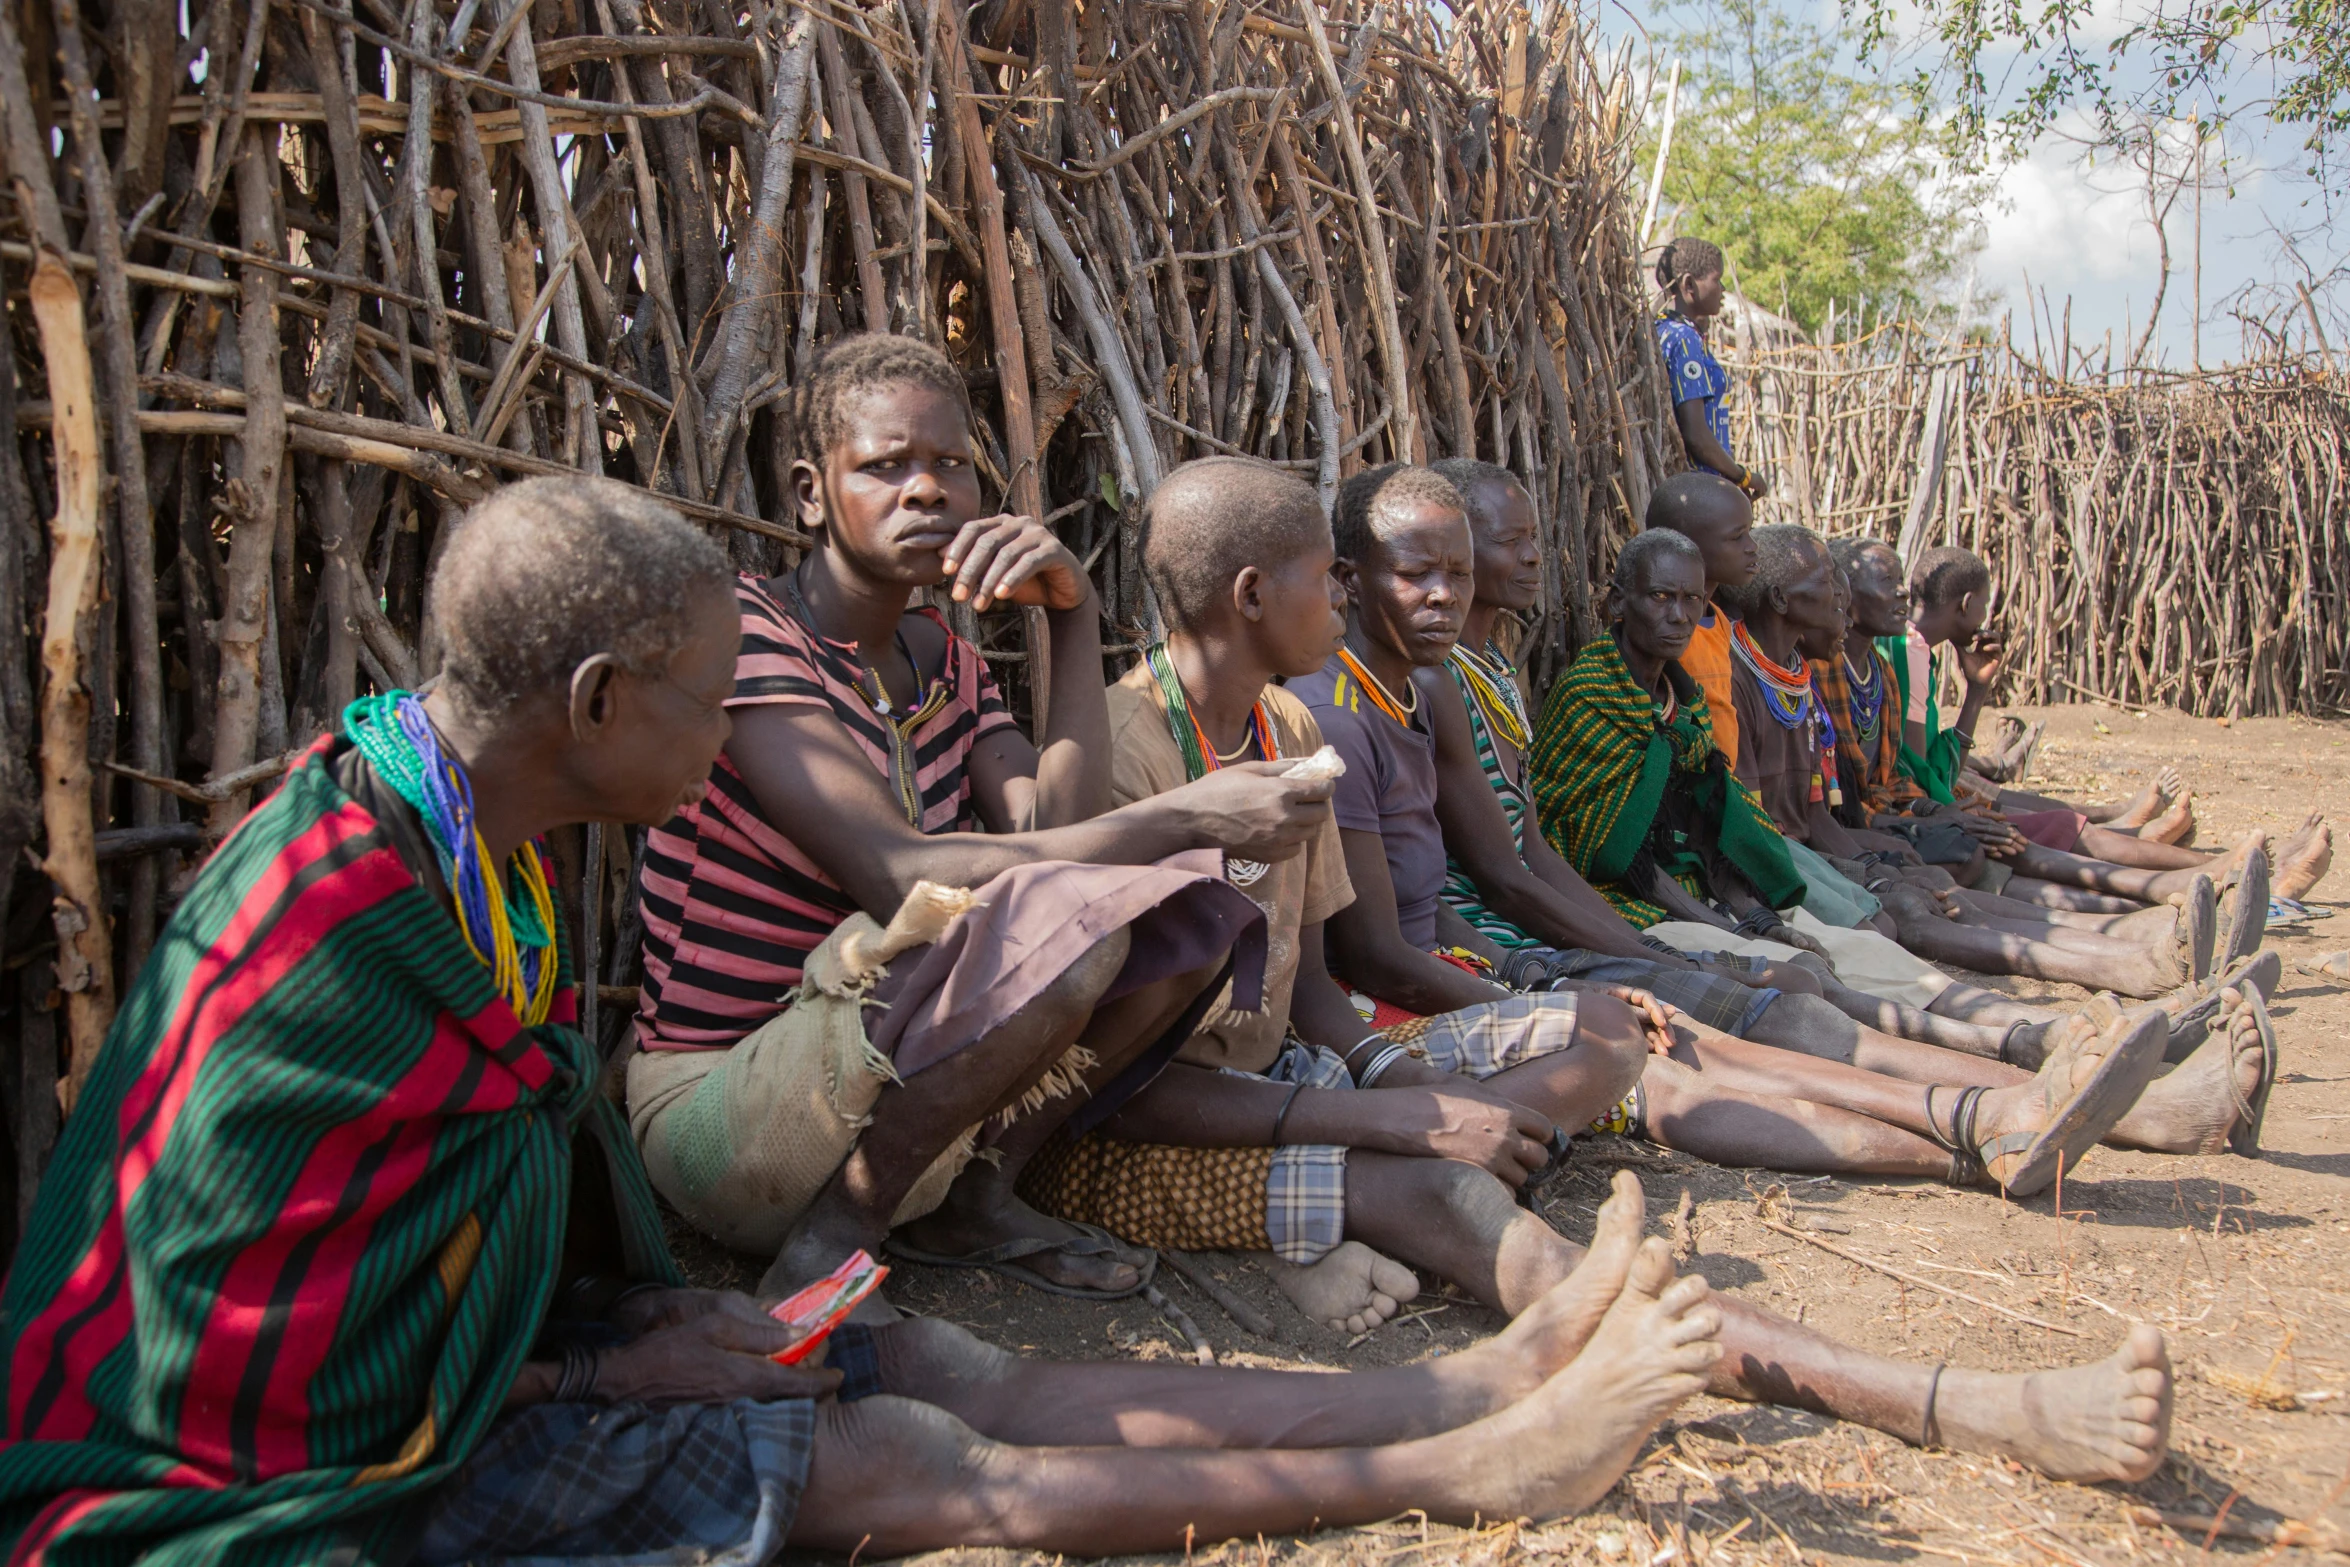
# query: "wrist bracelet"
578,1380
1348,1060
1281,1120
1379,1065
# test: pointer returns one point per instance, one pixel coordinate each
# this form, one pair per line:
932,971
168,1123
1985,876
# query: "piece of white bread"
1320,767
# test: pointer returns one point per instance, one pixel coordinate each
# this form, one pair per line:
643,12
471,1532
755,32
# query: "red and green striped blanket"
299,1235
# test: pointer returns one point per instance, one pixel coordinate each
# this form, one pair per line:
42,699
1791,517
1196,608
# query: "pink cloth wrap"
2050,829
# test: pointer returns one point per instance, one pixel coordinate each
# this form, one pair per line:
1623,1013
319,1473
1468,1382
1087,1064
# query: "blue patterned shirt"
1695,375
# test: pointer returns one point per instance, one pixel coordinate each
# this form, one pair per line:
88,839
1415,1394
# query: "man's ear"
595,689
807,485
1344,570
1612,606
1248,593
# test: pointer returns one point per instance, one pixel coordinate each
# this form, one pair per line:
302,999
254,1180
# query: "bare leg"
2133,968
1814,1028
893,1476
982,1208
1145,1404
2121,848
2058,895
1978,1022
915,1121
2147,886
2104,1421
1577,1085
2139,921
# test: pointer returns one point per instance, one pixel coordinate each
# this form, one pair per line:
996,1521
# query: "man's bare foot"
1560,1448
1351,1290
2174,825
2192,1108
2106,1421
2303,861
2141,808
1540,1341
2019,757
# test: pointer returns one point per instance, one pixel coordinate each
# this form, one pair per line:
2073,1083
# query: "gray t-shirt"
1389,788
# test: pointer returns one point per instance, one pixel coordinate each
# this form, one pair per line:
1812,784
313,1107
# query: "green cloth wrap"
1936,772
1601,769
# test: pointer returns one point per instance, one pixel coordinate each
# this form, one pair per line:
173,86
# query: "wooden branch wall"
339,267
2172,540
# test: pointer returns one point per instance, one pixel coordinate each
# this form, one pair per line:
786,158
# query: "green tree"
1818,183
2176,59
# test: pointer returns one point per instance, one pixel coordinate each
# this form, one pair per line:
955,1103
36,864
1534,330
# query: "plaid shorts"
1712,999
1289,1200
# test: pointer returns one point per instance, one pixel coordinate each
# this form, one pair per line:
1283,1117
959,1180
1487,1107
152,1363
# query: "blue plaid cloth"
1305,1191
626,1485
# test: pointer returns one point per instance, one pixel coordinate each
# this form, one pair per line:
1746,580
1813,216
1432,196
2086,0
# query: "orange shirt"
1708,663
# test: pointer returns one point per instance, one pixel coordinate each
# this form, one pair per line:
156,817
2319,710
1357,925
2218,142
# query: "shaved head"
1211,518
1783,552
1695,501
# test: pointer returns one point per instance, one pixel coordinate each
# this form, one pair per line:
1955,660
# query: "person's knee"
1791,979
1072,995
890,1475
922,1357
1616,1039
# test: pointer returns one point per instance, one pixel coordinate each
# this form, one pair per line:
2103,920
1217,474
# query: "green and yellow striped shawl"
1602,768
304,1224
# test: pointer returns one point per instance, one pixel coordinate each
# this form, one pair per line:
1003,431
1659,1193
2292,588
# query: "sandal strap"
1966,1164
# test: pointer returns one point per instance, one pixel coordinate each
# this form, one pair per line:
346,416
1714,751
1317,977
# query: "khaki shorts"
741,1140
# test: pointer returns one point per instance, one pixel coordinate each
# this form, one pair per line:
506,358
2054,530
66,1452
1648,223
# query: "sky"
2060,227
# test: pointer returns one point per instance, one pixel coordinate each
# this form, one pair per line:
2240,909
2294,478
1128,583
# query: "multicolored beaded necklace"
1199,757
1786,692
399,742
1789,698
1868,703
1380,696
1493,682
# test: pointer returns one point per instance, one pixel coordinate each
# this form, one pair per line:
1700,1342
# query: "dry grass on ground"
2239,1262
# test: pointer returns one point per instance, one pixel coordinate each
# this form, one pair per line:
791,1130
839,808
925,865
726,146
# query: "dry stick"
252,499
220,789
654,256
427,242
584,443
835,71
758,268
85,956
1240,1311
1382,278
1024,483
133,506
1922,1283
1108,346
400,447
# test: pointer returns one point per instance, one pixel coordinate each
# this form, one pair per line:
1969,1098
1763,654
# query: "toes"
1382,1306
1686,1293
1394,1282
1652,1269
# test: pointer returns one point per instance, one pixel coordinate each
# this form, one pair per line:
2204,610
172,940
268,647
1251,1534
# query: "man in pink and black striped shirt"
871,751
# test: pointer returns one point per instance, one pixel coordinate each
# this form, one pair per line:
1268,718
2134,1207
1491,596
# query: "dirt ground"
2238,1261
